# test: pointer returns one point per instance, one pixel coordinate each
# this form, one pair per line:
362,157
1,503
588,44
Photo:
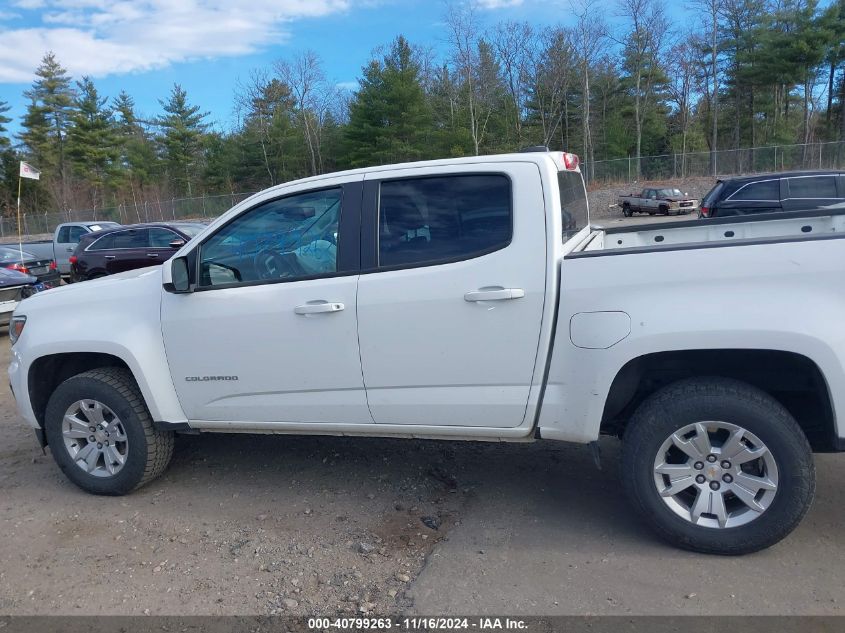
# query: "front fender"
118,316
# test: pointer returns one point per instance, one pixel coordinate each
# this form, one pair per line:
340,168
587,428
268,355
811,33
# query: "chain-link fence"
170,209
668,166
728,162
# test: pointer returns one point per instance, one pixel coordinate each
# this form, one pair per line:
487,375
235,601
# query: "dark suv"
128,247
772,193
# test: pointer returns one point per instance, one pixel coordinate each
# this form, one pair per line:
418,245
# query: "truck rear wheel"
717,466
626,210
101,434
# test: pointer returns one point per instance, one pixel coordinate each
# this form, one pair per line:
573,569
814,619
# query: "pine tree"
51,103
389,117
183,129
91,143
4,120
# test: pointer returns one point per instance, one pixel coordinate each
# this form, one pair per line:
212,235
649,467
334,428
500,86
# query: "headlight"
16,328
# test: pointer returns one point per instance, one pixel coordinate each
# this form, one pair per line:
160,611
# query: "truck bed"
737,230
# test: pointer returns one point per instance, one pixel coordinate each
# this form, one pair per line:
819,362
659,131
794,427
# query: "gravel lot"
275,524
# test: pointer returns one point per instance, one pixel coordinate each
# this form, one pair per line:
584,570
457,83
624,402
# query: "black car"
772,193
44,270
15,286
128,247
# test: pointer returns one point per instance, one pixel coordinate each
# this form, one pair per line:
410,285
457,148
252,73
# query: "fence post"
172,208
203,205
629,168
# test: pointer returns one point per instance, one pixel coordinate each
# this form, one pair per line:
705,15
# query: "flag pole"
20,238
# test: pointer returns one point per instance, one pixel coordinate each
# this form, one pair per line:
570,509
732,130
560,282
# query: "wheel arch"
792,379
48,372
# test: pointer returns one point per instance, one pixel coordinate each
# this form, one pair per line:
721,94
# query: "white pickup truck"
466,299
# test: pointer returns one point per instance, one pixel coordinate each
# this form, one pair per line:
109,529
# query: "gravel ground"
264,524
603,199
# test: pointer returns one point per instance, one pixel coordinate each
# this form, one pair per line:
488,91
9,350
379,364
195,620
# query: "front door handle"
152,254
496,293
109,256
318,307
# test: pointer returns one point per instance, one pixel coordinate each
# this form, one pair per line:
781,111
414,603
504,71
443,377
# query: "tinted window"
161,238
430,220
135,238
765,190
573,202
103,244
289,239
812,187
64,235
712,195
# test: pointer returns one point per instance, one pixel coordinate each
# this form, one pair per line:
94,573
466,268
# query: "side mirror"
180,281
177,243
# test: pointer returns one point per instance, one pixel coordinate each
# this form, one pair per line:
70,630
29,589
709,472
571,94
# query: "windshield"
573,202
671,193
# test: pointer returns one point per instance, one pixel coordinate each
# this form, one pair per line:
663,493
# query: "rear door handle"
109,256
496,293
152,254
318,307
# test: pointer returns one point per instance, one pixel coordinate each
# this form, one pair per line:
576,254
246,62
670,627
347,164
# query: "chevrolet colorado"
466,299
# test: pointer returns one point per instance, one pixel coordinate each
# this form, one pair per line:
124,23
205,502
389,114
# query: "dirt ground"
276,524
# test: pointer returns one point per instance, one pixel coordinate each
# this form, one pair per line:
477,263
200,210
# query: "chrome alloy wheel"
95,438
715,474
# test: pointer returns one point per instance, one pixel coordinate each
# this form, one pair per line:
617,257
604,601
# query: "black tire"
651,212
148,450
626,210
731,401
665,210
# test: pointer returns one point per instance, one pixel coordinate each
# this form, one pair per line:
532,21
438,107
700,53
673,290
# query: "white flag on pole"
28,171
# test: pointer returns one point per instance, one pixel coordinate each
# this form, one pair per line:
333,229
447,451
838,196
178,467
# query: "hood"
9,277
106,291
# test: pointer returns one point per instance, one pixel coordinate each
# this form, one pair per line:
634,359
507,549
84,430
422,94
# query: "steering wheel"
271,264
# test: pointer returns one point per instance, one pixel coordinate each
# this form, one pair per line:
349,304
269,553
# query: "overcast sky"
144,46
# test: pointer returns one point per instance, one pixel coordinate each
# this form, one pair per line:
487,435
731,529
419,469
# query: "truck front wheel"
717,466
101,434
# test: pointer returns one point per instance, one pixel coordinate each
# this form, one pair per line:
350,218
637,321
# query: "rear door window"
427,221
764,190
134,238
810,187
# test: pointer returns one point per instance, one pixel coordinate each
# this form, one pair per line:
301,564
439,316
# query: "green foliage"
182,126
389,118
780,77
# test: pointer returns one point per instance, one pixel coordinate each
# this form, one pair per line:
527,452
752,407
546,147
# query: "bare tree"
647,30
312,96
591,32
552,72
682,60
251,98
513,43
712,10
464,37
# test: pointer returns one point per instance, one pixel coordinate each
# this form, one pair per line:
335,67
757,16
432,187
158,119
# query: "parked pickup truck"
657,200
466,299
64,241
